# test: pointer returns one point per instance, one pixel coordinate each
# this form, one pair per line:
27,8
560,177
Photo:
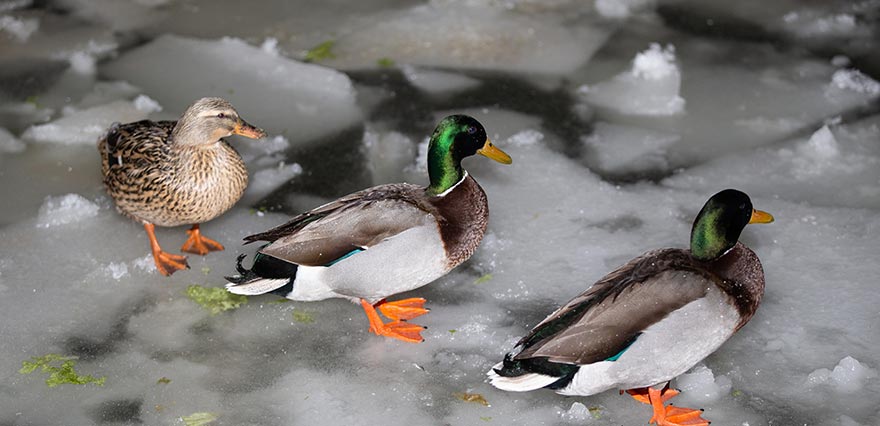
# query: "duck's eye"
221,115
471,130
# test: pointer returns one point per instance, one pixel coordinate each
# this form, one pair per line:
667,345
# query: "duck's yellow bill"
494,153
759,216
248,131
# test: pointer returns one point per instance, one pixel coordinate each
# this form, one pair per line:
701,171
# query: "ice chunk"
388,154
64,209
270,46
300,101
20,28
650,87
146,104
471,37
116,270
83,59
578,413
437,82
856,81
104,92
811,23
618,149
86,126
620,8
702,386
835,166
525,137
118,15
267,180
9,143
819,152
847,377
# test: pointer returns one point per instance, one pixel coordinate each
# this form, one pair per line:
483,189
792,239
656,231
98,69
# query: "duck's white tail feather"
526,382
258,286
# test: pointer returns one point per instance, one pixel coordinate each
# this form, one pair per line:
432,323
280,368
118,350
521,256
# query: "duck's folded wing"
355,222
603,321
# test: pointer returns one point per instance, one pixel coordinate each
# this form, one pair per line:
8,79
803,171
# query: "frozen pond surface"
622,118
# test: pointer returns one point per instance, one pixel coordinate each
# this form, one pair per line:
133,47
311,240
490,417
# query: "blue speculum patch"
345,256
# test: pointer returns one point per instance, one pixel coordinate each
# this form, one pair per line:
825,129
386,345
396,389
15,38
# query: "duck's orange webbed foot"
400,330
667,415
405,309
166,263
198,243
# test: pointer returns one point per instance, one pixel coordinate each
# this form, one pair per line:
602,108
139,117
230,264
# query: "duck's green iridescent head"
719,224
457,137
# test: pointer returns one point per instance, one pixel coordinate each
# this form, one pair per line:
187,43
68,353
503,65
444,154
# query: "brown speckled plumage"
153,180
172,173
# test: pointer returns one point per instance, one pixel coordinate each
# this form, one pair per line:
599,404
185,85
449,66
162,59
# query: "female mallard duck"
650,320
383,240
172,173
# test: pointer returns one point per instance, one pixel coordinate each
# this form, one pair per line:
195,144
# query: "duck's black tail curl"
244,275
267,275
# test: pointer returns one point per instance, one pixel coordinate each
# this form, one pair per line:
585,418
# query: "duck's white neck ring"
463,177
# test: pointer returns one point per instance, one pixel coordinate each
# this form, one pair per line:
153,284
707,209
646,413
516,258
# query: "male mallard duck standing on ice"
650,320
172,173
383,240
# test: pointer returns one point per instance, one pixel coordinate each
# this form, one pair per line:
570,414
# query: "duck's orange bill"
759,216
248,131
494,153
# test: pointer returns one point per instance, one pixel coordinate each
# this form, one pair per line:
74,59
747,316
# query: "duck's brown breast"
463,215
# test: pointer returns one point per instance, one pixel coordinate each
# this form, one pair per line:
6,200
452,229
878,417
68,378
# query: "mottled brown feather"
154,180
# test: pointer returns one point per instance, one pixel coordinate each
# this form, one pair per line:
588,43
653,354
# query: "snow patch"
84,127
524,138
20,29
146,104
651,87
847,377
656,63
65,209
270,46
702,386
115,270
83,59
856,81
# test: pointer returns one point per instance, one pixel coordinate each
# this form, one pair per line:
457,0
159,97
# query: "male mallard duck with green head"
383,240
172,173
650,320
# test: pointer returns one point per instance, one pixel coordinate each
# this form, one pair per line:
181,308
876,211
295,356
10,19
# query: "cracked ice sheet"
307,101
836,167
767,97
468,37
